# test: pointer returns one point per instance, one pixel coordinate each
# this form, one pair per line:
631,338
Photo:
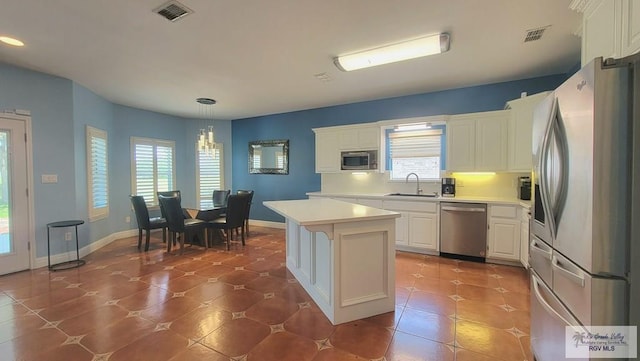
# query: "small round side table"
68,264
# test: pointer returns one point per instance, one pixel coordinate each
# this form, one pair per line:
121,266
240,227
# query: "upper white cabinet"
630,27
327,152
330,141
477,142
360,138
520,132
610,28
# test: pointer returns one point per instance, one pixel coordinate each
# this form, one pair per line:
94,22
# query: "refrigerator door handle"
567,273
536,248
559,134
545,304
545,181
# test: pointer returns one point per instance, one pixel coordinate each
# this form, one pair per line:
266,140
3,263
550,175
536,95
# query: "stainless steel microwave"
359,160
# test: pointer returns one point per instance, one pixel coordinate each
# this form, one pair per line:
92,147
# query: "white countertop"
383,196
326,211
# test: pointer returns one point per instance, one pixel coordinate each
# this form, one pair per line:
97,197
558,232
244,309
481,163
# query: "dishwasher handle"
463,209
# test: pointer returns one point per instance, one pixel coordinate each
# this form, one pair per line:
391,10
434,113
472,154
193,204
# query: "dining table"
207,213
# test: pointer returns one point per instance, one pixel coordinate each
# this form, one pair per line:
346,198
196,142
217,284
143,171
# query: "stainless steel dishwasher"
463,230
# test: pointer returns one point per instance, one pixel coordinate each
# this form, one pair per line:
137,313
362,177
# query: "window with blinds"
415,151
153,167
97,173
209,175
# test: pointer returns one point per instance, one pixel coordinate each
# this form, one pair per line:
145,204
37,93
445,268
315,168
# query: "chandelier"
206,137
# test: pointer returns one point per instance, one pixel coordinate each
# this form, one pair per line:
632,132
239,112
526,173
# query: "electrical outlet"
49,178
127,219
67,236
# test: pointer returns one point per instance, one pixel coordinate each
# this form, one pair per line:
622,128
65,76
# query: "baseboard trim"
90,248
259,223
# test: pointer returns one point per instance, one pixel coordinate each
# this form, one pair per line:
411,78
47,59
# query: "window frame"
155,143
220,156
387,126
96,213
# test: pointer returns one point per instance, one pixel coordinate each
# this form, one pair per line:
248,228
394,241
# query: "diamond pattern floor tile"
243,304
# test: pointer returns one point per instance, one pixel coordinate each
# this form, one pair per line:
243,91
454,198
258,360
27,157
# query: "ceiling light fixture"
206,138
416,48
11,41
412,126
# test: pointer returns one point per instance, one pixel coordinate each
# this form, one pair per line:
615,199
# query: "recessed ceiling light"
11,41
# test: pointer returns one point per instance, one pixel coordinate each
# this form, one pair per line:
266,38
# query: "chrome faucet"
418,190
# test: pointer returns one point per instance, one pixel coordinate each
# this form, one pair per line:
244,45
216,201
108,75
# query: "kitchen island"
343,254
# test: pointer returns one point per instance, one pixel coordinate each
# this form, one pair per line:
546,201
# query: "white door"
14,214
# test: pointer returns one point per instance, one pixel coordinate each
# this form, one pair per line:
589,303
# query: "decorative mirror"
269,157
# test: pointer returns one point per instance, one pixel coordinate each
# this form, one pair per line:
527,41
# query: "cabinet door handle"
462,209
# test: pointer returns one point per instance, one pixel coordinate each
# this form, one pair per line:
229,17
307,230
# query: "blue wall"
60,111
296,126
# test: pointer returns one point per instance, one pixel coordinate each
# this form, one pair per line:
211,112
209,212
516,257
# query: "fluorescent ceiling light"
428,45
413,126
11,41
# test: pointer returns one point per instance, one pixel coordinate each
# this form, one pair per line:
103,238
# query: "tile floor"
244,305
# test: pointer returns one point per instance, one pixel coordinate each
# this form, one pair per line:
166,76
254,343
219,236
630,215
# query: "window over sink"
417,151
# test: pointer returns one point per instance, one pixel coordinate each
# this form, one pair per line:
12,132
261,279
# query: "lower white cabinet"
418,227
504,233
423,230
524,237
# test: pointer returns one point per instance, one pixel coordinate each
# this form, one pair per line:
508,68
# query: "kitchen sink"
428,195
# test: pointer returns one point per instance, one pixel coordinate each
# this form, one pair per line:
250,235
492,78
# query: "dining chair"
234,218
249,199
175,193
220,197
145,222
178,225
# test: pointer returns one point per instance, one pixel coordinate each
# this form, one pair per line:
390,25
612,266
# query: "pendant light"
206,137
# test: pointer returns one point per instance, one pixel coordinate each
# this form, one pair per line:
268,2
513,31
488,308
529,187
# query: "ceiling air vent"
173,11
535,34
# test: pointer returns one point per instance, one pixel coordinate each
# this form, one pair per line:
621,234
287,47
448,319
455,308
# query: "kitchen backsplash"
498,185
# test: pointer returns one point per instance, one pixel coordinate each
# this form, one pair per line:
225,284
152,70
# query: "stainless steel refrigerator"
585,226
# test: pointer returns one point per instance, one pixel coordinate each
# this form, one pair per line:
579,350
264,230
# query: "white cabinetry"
477,141
630,26
360,138
504,233
610,28
418,227
524,237
520,132
330,141
327,152
601,30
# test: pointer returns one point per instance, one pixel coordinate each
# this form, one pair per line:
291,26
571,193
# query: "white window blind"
257,158
153,167
209,175
417,152
97,173
280,160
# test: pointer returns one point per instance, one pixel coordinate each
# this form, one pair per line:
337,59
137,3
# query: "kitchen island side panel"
350,275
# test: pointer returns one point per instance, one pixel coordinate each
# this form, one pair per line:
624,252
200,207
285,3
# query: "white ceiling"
258,57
